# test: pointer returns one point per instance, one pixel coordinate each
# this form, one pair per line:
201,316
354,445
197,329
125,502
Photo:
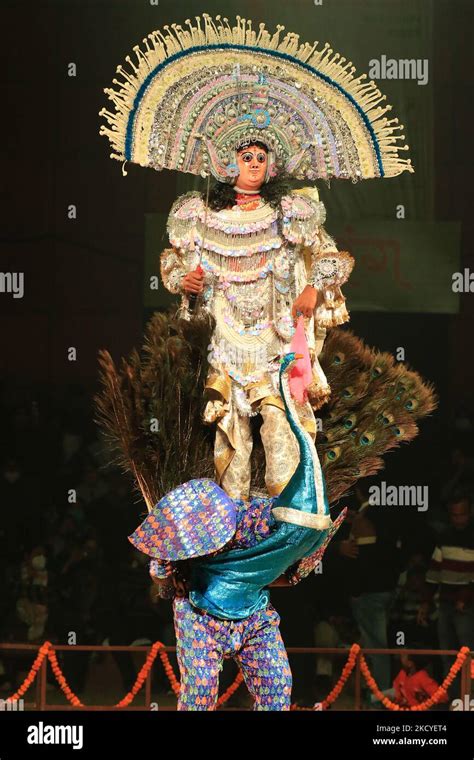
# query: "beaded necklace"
246,201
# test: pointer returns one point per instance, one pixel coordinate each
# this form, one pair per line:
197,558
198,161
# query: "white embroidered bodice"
254,264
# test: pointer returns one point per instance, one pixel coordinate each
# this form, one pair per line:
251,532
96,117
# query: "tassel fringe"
160,46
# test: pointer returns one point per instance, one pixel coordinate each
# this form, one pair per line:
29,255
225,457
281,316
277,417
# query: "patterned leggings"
255,643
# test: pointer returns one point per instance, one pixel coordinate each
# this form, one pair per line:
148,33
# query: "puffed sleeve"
182,228
303,224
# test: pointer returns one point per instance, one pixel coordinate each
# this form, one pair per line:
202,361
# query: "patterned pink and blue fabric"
254,521
195,519
204,641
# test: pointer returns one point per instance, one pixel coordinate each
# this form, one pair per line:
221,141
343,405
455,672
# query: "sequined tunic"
256,264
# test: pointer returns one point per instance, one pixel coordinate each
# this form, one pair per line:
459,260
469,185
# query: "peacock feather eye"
376,371
338,358
411,404
366,439
353,433
349,422
333,454
398,431
386,418
348,392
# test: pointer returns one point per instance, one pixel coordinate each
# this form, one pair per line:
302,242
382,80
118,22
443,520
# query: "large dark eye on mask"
261,158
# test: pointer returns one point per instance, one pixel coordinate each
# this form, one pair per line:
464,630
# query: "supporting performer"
237,550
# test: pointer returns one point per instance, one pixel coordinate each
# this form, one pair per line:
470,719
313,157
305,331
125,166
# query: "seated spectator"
413,685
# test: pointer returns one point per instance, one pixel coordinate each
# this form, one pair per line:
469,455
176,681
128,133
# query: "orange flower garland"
47,650
338,687
42,653
169,672
158,648
349,666
69,694
346,671
433,700
230,690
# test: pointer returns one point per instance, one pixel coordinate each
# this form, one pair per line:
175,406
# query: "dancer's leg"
264,661
281,448
236,477
199,656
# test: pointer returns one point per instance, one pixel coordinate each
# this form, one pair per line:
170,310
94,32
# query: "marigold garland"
349,666
230,690
440,692
158,648
42,653
338,687
69,694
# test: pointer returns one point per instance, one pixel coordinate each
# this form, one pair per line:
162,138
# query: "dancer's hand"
159,589
306,303
193,282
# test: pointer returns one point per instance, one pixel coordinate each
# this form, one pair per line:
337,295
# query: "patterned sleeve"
161,573
305,566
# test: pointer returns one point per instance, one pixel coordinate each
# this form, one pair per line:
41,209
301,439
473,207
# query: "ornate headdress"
195,95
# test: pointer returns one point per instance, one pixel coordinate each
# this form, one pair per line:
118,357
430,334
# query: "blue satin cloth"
232,585
229,578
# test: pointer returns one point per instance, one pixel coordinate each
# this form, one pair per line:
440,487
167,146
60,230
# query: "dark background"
84,277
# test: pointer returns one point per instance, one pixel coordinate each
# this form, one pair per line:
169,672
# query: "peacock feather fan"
150,409
382,411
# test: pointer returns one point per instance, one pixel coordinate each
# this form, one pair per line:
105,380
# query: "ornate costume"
192,98
256,263
237,551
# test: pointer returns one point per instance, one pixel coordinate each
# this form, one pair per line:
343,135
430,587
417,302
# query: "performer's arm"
174,269
329,270
179,264
161,574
